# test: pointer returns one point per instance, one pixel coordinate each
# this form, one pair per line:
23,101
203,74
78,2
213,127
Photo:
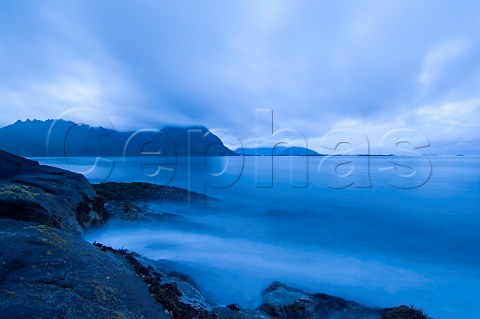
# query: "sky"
323,70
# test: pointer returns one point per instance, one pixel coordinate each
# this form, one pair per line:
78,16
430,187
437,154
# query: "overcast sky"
371,66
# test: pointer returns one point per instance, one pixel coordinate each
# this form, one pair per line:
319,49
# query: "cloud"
449,123
317,65
435,61
81,86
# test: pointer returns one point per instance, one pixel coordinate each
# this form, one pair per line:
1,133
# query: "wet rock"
47,195
281,301
227,313
403,312
233,307
127,201
48,273
177,293
145,192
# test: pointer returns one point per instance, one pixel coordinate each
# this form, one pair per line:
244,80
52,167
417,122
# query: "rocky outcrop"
48,273
177,293
281,301
47,195
126,201
403,312
144,192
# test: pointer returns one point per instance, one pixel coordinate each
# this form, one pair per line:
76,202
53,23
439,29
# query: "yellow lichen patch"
103,293
18,191
50,235
119,315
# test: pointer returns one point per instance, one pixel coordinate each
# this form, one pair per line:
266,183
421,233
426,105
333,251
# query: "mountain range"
35,138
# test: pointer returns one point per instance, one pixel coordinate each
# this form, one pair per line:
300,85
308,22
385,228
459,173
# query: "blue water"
391,231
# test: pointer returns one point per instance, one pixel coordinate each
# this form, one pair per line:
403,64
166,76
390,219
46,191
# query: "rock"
145,192
44,194
126,201
12,165
403,312
281,301
48,273
233,307
227,313
177,292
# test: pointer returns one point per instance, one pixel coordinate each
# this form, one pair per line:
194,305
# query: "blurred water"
385,234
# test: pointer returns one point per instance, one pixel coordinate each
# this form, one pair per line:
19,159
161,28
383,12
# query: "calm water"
383,234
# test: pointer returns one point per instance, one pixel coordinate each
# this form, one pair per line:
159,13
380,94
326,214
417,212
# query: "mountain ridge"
37,138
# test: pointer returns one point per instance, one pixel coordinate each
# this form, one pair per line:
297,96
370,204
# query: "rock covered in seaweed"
281,301
126,201
403,312
181,297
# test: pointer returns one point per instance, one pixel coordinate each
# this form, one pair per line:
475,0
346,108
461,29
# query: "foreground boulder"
281,301
47,195
403,312
178,293
47,273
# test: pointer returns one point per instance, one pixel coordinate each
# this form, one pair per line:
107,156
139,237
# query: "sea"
380,230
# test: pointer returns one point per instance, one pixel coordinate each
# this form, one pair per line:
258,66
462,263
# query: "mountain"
277,151
66,138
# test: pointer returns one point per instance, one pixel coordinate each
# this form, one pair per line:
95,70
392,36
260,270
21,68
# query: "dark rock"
233,307
180,298
126,201
144,192
12,165
47,273
281,301
44,194
226,313
403,312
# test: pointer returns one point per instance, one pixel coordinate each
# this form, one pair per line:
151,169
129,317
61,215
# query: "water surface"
383,235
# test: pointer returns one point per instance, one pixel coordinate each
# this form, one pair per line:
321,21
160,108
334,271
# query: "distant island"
65,138
277,151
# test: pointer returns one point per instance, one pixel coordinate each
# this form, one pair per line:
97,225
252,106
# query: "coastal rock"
403,312
126,201
281,301
178,293
48,273
145,192
47,195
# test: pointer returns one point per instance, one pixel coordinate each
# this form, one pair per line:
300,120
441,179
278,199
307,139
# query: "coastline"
31,199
